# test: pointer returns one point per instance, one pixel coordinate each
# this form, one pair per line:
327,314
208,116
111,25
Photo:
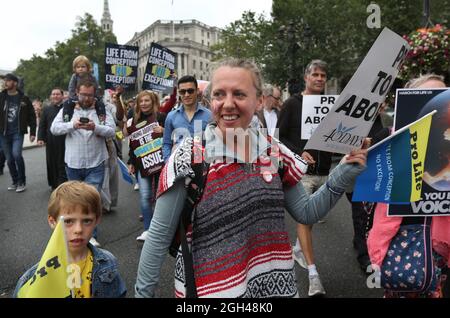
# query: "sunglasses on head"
190,91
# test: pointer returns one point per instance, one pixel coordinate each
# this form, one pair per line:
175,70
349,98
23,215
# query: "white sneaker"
136,187
315,286
142,237
94,242
21,188
298,256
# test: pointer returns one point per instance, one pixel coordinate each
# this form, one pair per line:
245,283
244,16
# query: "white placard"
356,109
314,110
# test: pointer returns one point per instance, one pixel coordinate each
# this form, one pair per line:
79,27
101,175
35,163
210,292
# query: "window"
203,33
203,42
207,35
201,66
182,61
194,64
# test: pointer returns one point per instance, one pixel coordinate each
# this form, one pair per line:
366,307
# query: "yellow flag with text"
51,278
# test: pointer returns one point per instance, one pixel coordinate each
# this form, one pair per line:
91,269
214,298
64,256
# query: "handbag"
408,265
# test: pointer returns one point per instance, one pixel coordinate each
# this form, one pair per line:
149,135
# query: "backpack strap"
69,107
194,194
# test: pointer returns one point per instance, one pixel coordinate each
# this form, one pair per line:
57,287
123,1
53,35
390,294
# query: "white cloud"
32,27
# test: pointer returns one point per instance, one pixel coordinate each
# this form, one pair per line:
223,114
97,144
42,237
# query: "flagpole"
401,130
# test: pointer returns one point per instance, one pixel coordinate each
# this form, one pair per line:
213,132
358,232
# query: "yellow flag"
51,278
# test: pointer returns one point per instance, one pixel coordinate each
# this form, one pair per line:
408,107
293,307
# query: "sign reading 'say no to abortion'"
356,109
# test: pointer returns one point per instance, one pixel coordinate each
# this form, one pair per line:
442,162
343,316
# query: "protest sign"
314,110
395,166
160,71
410,105
356,109
148,151
121,66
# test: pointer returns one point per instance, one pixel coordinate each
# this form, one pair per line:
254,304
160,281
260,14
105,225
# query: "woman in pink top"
385,228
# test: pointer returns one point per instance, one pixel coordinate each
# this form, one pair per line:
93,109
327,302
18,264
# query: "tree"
338,34
54,69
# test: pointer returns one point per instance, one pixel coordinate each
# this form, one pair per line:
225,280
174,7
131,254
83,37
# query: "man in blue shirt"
188,119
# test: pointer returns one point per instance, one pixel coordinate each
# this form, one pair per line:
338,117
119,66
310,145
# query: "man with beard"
86,124
16,115
55,145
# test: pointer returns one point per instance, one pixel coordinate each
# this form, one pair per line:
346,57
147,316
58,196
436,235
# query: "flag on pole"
125,175
395,166
51,277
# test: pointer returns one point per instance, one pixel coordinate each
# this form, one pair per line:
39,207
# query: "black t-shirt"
13,106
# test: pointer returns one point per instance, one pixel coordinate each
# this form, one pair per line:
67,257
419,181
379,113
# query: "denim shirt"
178,123
106,279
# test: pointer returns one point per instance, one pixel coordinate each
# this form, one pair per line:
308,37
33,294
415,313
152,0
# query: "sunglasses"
190,91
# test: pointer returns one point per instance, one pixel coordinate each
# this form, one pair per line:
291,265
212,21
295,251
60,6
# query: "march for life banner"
395,166
356,109
314,110
160,71
410,105
121,66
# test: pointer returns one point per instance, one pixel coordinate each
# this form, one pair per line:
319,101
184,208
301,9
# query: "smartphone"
84,120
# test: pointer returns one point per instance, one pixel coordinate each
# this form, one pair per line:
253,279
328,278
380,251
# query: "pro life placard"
148,151
121,65
356,109
410,105
160,71
314,110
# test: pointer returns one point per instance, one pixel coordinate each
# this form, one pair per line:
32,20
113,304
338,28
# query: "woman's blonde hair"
155,103
75,193
416,82
247,65
81,59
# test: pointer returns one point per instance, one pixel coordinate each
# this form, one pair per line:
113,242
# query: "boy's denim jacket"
106,280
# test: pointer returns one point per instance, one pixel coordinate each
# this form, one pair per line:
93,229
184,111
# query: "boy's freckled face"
79,227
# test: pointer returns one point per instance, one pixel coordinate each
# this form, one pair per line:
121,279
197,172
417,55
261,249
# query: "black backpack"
69,107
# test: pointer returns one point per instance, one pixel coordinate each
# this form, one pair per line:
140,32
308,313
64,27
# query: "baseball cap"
11,77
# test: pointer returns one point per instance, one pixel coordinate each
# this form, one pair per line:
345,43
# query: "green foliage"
41,74
338,34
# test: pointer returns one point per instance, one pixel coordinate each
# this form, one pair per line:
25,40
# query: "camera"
84,120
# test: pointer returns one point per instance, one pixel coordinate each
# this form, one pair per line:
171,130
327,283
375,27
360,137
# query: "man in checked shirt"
86,128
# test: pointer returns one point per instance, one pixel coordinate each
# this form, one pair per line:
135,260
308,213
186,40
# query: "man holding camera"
86,126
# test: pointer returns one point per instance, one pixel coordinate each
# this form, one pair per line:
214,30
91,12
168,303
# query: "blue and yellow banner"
395,166
51,277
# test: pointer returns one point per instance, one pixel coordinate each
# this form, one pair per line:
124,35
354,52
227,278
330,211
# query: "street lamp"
298,35
426,14
91,44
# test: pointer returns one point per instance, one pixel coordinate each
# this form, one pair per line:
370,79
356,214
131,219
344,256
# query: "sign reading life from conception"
356,109
160,72
121,65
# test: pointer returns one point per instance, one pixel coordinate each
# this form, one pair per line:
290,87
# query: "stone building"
191,39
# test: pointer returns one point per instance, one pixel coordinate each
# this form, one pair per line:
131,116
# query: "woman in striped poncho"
239,243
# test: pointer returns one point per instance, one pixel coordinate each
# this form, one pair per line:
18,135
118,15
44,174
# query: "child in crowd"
80,205
81,67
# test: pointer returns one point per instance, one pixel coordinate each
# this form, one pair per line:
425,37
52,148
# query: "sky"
33,26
